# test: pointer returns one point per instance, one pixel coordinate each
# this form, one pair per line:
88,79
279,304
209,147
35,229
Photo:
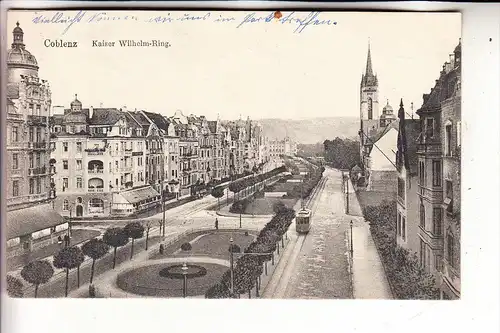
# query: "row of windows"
35,187
35,134
35,160
437,219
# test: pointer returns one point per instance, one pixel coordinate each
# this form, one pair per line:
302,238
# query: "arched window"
65,204
370,108
79,200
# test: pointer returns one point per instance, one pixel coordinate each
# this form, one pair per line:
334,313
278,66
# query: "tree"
69,258
218,192
37,273
115,237
148,224
134,230
14,287
95,249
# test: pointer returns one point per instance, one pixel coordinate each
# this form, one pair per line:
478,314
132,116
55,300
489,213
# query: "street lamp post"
231,261
351,240
184,274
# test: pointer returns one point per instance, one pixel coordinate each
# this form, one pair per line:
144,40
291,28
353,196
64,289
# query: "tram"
303,221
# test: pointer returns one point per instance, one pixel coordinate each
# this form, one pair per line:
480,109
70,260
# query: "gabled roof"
105,116
394,124
158,120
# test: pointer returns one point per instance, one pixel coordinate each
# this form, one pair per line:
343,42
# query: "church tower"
369,92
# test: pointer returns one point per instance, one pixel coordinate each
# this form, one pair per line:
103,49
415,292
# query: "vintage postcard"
233,154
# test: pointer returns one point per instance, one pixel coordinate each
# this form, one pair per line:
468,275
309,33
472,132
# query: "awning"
26,221
140,194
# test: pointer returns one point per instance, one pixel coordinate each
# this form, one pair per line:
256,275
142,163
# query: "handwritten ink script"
298,21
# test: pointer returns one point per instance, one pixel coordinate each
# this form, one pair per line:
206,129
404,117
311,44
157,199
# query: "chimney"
452,60
124,108
100,105
91,112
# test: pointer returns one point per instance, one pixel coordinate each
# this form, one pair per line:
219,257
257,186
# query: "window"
421,173
436,173
78,147
65,184
437,221
449,196
65,205
422,215
15,134
78,182
15,188
31,135
403,228
459,133
38,186
399,224
447,140
30,160
65,164
65,146
15,161
429,127
422,253
173,174
450,252
370,108
30,110
78,164
38,113
401,189
173,159
38,135
32,186
438,263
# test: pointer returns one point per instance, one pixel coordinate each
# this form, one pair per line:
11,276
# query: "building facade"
407,198
31,221
439,178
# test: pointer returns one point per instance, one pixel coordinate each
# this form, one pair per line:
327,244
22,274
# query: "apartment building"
439,178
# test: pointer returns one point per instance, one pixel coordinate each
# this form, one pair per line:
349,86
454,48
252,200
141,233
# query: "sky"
260,69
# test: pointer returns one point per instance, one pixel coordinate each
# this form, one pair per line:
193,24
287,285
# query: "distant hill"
311,130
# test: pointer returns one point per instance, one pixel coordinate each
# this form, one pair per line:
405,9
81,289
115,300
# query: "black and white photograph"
233,154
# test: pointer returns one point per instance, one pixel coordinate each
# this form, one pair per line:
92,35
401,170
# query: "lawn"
146,281
214,244
264,206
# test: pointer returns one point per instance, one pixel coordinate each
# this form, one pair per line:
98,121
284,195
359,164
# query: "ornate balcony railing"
37,171
98,170
37,120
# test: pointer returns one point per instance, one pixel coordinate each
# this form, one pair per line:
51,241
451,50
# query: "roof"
158,120
212,126
379,135
56,119
412,131
140,194
105,116
29,220
356,168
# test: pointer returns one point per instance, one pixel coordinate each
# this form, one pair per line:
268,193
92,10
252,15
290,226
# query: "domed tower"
19,60
76,105
387,115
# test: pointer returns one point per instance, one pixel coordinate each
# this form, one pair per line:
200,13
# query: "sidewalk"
368,275
354,208
78,236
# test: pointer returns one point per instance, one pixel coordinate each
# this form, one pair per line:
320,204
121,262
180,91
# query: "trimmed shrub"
186,247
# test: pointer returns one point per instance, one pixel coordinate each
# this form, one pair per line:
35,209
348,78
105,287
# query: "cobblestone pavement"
321,270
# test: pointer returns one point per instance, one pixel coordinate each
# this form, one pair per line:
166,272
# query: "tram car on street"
303,221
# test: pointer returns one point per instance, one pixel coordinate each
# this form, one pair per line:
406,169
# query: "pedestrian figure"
216,224
59,240
66,241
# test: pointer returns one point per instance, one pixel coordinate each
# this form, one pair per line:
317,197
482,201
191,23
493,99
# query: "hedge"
249,267
406,277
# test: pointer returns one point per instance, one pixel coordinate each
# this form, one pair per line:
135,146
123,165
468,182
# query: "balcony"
14,116
37,120
95,189
95,170
126,169
37,145
95,151
435,195
128,151
37,171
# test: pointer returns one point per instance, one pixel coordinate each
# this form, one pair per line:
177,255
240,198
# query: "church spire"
369,70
